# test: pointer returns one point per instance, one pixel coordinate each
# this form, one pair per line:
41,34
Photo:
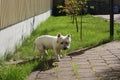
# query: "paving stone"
65,65
46,75
117,55
84,63
101,67
65,69
99,70
79,57
116,68
79,60
66,58
84,66
104,53
114,65
98,64
89,78
109,78
111,59
106,74
109,56
87,75
115,51
66,78
65,73
85,70
112,62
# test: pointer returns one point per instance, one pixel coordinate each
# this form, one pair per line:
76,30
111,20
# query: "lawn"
95,32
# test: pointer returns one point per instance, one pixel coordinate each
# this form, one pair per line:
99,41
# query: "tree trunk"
73,18
76,22
81,28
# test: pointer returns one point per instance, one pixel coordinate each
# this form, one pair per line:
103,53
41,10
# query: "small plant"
118,31
8,56
75,69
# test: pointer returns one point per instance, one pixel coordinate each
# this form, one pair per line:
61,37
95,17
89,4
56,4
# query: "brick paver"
99,63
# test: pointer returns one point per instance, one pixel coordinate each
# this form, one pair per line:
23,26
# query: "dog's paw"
55,64
61,56
57,59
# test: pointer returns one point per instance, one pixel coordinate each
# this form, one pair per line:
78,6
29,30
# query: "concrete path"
99,63
116,17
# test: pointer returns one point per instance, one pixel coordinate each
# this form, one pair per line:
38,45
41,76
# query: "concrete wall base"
14,35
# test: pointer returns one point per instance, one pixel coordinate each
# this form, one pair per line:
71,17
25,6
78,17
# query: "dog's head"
63,41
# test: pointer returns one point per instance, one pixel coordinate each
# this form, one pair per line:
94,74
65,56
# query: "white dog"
57,43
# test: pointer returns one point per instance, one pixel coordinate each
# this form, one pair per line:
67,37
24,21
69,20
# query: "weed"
75,69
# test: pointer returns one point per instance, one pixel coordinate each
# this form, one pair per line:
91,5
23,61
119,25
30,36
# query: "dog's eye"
66,42
61,42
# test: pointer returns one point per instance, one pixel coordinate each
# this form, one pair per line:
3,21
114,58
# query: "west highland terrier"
57,43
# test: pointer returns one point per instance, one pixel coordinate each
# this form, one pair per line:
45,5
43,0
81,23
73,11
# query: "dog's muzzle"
65,48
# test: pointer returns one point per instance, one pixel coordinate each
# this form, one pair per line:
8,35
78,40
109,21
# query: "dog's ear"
58,35
68,35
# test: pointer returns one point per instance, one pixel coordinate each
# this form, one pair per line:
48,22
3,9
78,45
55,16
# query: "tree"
74,8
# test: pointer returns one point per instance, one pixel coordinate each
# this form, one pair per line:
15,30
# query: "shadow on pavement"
45,65
110,75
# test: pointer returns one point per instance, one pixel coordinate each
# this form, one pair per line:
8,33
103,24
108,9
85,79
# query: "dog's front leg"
57,56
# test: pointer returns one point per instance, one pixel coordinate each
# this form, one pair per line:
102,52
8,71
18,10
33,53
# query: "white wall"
15,34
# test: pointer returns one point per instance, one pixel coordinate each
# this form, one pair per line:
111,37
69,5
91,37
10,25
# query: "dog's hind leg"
34,47
41,55
41,51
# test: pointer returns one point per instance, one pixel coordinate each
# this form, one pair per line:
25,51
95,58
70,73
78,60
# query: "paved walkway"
116,17
99,63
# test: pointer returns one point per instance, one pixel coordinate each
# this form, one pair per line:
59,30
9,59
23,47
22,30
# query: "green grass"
17,72
95,31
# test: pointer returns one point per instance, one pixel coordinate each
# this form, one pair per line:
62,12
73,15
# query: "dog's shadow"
82,50
41,66
45,65
79,52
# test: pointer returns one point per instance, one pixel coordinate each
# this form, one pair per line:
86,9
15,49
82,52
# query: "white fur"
57,43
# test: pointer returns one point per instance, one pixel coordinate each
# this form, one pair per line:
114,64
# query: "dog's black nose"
65,48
